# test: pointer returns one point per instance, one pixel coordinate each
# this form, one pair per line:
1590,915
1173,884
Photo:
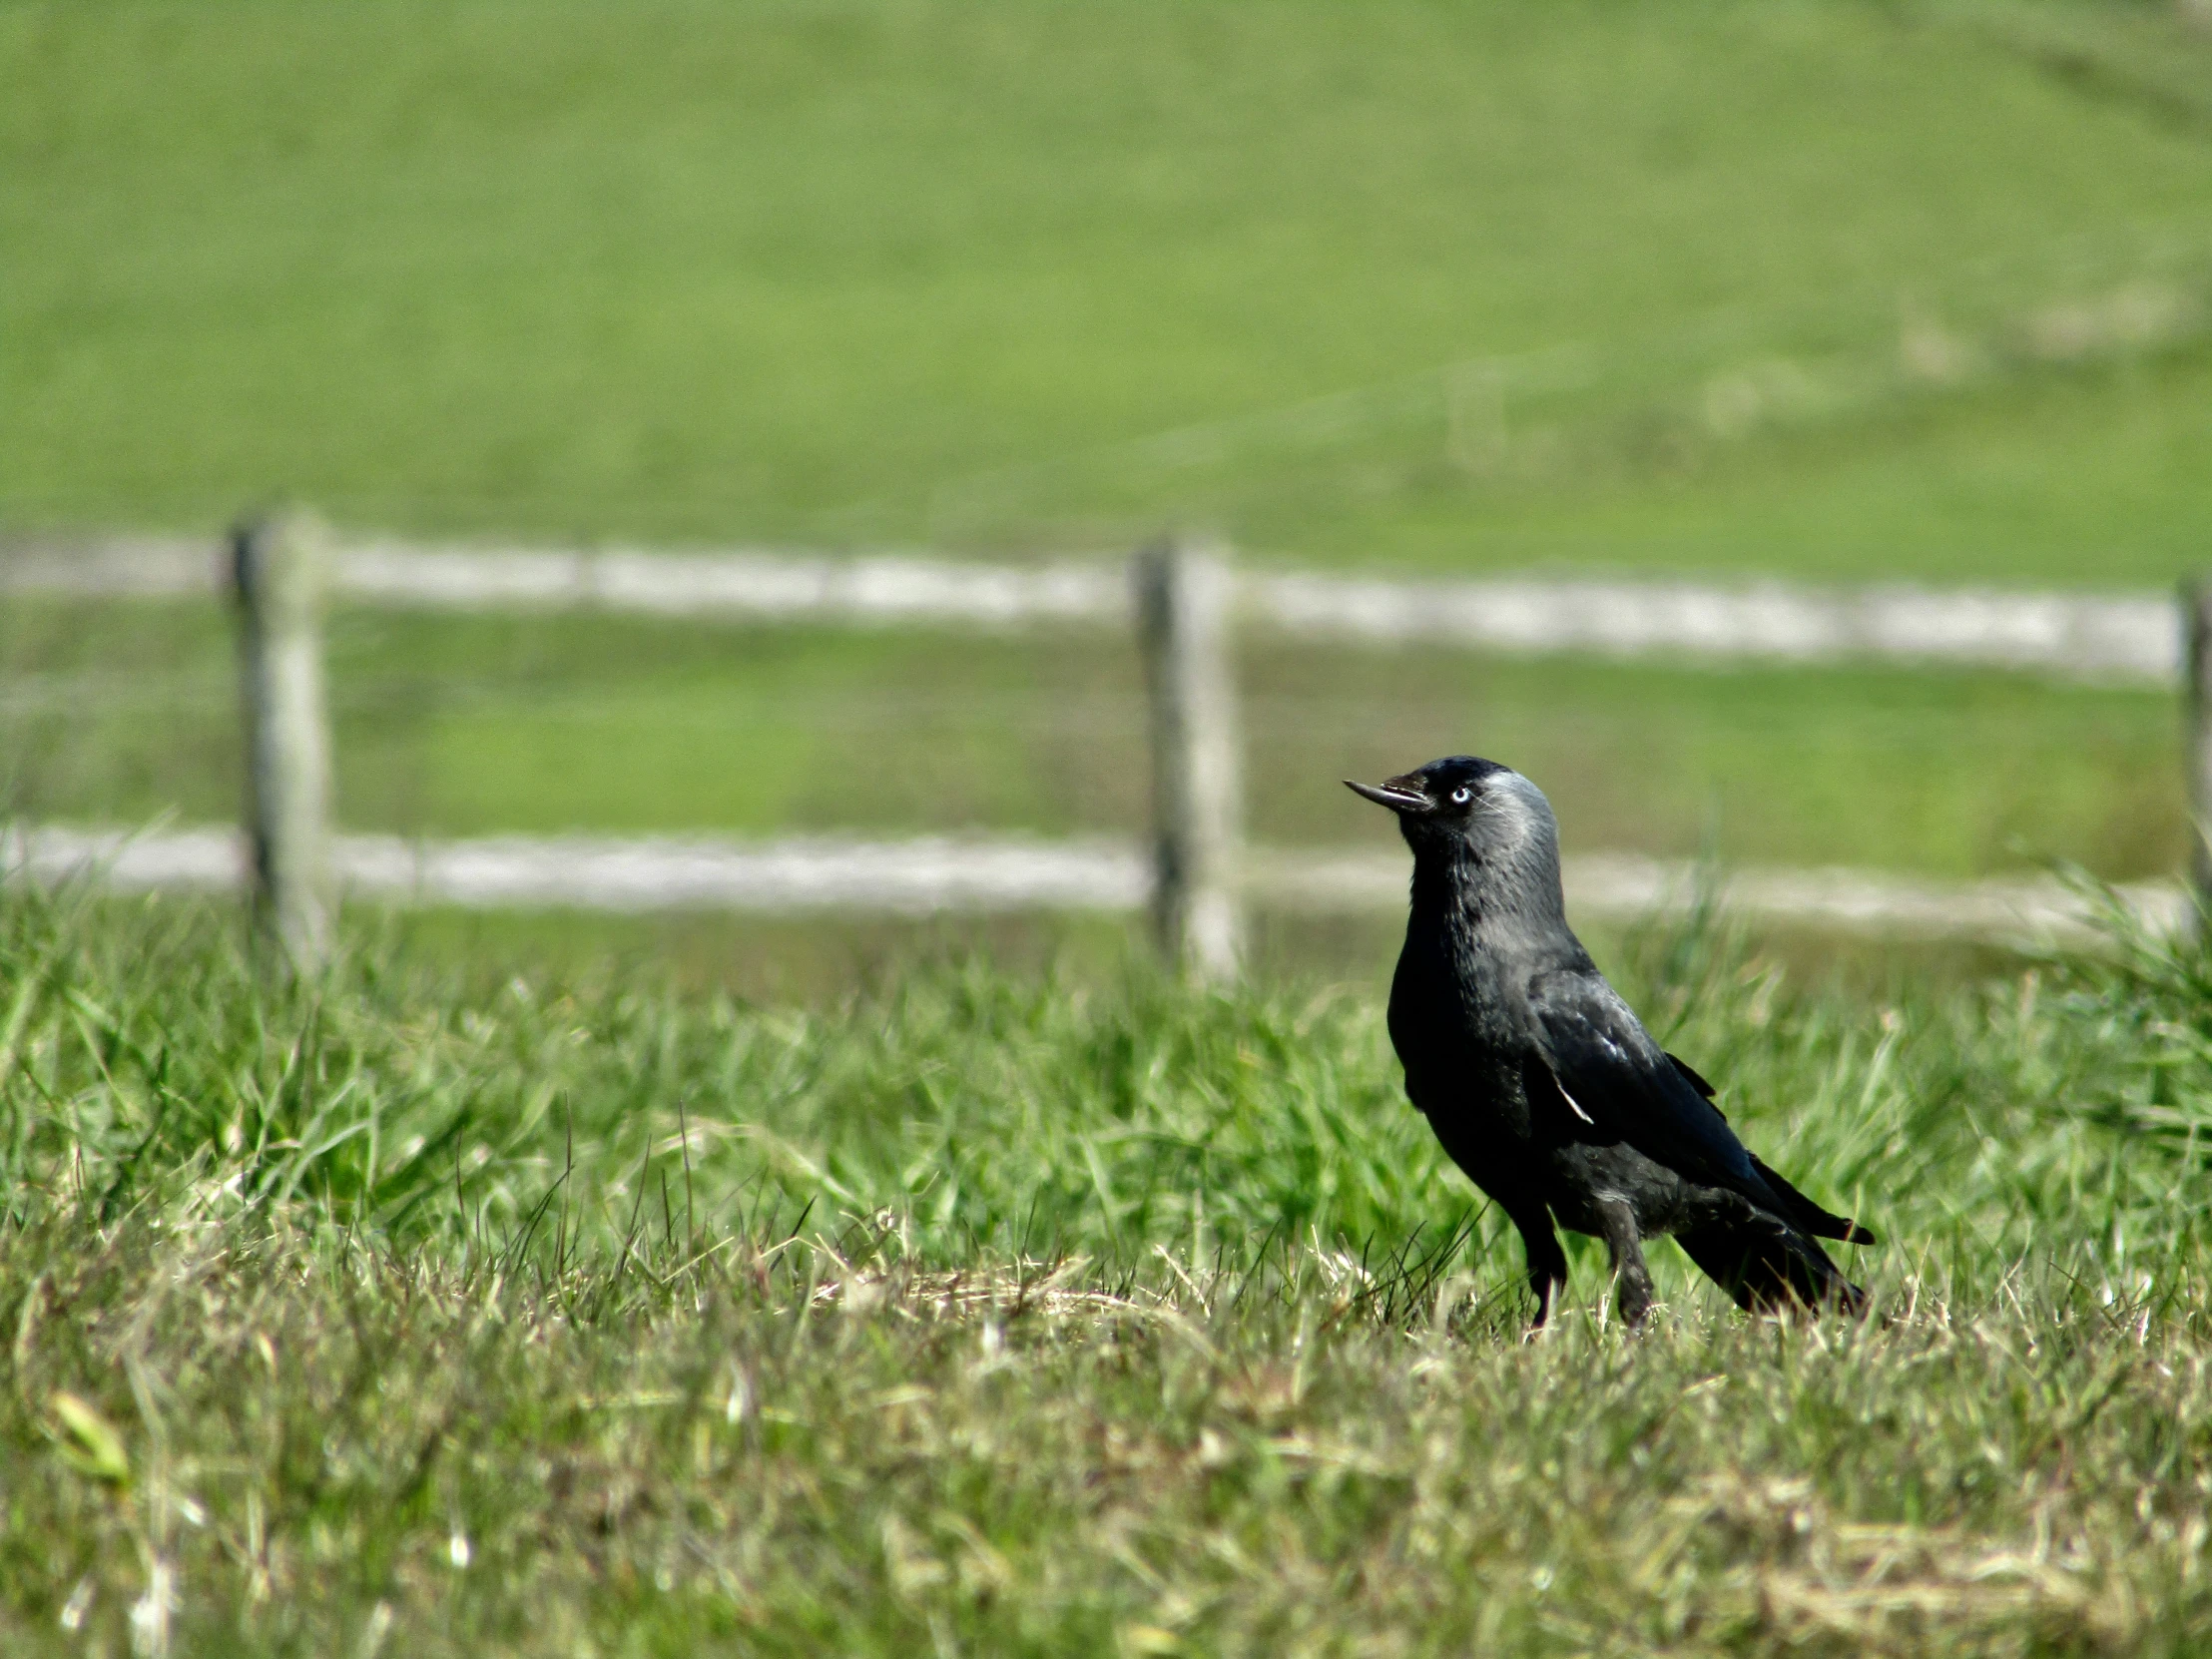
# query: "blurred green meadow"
1826,285
1829,289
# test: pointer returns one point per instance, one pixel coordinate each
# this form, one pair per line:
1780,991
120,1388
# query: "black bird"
1547,1090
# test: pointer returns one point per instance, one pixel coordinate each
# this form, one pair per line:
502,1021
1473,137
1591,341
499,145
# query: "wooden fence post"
2196,696
2197,731
278,569
1184,601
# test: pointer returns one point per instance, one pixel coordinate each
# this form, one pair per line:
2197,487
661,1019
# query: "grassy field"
420,1312
1828,286
521,1287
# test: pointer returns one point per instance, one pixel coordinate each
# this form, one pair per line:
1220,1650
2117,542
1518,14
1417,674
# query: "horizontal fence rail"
2098,636
941,875
2073,636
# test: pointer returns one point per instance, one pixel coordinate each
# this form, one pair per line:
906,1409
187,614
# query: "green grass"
460,726
565,1314
686,270
520,1288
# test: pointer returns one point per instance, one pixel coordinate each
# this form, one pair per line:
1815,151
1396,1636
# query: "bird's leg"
1631,1278
1548,1263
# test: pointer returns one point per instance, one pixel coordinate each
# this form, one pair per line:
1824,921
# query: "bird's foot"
1632,1299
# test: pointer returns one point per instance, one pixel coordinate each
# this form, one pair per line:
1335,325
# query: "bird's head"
1486,809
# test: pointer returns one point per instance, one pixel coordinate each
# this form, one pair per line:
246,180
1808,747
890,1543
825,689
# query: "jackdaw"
1544,1087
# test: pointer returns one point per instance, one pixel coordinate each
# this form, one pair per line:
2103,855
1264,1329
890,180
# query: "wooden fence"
1185,603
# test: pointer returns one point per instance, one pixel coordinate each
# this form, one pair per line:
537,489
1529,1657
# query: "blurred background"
1829,290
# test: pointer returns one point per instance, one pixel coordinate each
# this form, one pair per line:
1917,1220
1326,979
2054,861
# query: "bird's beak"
1402,793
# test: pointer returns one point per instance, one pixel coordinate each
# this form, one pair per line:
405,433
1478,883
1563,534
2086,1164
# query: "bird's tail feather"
1810,1217
1767,1265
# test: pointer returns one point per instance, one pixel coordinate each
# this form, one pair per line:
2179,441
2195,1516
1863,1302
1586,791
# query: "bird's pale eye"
1461,795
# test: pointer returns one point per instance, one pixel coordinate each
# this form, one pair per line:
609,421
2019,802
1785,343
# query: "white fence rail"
2126,636
1196,873
2096,637
930,875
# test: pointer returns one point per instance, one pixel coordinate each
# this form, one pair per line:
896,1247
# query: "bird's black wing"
1624,1086
1821,1223
1696,1079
